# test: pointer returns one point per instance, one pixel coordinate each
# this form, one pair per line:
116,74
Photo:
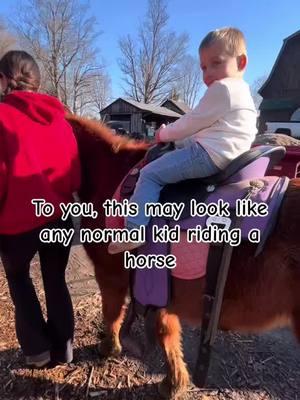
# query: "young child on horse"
38,160
219,129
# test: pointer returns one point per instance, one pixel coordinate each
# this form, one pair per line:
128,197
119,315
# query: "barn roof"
179,104
154,109
285,41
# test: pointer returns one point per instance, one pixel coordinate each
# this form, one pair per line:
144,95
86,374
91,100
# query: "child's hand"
157,136
157,133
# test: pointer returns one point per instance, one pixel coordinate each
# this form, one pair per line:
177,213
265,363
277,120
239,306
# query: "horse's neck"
105,172
118,167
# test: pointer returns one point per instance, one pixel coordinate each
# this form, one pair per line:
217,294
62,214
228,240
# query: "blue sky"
265,24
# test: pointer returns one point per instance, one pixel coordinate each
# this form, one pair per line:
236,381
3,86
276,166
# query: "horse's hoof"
168,392
132,346
109,349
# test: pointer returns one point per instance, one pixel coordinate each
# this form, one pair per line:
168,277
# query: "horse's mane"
99,130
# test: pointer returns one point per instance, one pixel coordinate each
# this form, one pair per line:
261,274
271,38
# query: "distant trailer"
291,128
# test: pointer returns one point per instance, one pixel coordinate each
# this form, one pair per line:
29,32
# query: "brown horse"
261,293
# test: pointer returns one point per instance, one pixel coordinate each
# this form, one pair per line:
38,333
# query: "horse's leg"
295,279
113,309
169,333
113,282
296,324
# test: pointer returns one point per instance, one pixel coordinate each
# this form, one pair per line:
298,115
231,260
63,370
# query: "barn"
281,91
140,117
176,105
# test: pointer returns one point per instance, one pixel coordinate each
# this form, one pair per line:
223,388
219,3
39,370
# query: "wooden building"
176,105
139,117
281,91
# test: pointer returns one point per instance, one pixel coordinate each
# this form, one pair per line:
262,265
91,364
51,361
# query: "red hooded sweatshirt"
38,159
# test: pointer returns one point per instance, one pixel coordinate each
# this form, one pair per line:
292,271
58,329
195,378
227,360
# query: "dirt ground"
243,367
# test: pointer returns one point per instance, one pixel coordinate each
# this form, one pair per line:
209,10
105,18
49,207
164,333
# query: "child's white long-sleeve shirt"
224,121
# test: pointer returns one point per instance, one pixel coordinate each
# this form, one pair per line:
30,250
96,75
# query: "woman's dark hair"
21,71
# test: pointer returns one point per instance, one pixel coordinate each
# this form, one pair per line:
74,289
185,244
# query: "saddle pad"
191,258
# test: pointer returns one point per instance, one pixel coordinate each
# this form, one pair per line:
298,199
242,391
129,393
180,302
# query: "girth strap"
218,263
216,275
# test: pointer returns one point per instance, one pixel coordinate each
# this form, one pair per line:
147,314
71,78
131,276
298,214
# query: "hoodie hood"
39,107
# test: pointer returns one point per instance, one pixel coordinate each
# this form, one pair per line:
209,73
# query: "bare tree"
8,41
96,85
149,61
60,36
100,91
188,80
256,85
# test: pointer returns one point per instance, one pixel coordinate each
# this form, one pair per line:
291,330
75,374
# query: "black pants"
35,335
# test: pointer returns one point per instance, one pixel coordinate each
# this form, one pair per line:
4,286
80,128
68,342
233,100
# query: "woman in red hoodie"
38,160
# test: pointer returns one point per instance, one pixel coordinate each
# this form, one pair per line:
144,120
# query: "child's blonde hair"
232,38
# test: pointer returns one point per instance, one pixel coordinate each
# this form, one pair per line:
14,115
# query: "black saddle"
254,163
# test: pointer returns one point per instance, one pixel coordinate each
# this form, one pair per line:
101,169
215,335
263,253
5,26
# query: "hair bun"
13,84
